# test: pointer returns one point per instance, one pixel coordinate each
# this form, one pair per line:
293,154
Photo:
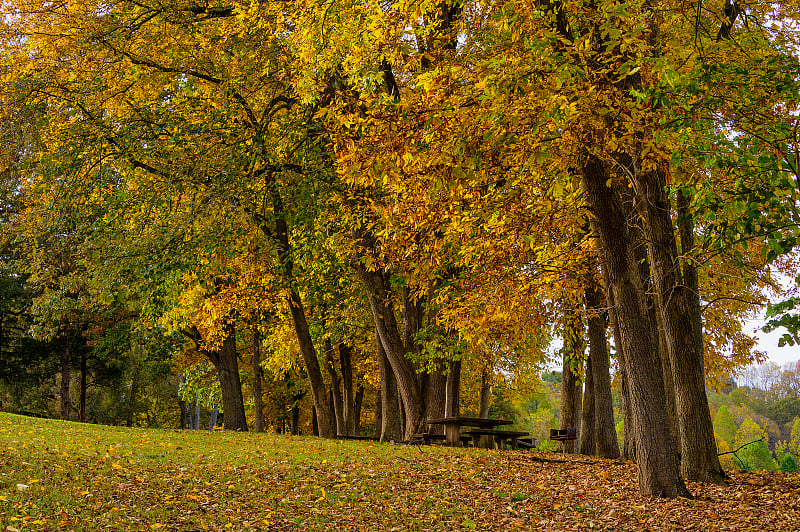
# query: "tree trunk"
82,401
436,398
381,303
699,459
567,412
196,405
605,432
65,379
212,419
134,391
358,402
588,443
336,399
658,468
348,391
227,365
326,421
485,399
453,393
391,429
258,378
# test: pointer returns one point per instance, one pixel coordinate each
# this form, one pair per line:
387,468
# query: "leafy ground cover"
57,475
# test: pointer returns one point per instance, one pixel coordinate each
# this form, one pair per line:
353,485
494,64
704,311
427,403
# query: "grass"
67,476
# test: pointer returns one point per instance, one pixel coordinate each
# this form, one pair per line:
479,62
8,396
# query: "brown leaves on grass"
83,477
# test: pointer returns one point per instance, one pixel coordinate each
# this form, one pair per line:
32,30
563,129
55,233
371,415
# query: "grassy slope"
89,477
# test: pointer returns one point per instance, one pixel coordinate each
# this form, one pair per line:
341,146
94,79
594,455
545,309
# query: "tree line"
404,199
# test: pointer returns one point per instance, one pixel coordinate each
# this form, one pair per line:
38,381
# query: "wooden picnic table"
452,427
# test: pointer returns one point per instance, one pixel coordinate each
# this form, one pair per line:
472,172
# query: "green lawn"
69,476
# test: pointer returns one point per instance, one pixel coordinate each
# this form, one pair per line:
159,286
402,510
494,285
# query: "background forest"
345,218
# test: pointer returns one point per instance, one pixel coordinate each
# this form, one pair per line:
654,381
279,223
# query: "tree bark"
436,398
381,299
82,400
453,394
391,428
227,365
326,422
588,444
337,401
658,468
258,377
348,391
65,378
605,433
485,399
567,417
699,459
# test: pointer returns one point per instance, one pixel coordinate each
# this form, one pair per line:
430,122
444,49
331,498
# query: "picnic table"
452,429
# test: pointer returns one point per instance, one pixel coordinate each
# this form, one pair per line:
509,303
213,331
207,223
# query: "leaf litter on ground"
90,477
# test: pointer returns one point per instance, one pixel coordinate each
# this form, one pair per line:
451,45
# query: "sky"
768,342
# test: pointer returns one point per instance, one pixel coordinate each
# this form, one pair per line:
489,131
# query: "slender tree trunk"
658,467
605,432
326,421
196,405
65,378
391,428
378,412
348,390
699,459
212,419
134,391
567,417
258,379
295,422
485,398
82,403
358,403
588,443
336,399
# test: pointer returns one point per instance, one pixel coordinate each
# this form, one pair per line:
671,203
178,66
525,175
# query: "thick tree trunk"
699,459
381,303
66,404
436,398
605,432
378,412
628,440
658,467
588,443
227,365
391,427
453,394
212,419
258,378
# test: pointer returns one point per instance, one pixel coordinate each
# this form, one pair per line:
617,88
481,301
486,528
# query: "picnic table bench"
564,434
452,428
496,437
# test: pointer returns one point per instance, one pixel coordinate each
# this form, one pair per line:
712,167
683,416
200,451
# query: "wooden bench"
527,443
500,437
427,438
564,434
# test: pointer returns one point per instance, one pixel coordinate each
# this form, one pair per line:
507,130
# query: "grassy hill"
67,476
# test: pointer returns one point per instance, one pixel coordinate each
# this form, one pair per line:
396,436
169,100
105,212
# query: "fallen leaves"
225,481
